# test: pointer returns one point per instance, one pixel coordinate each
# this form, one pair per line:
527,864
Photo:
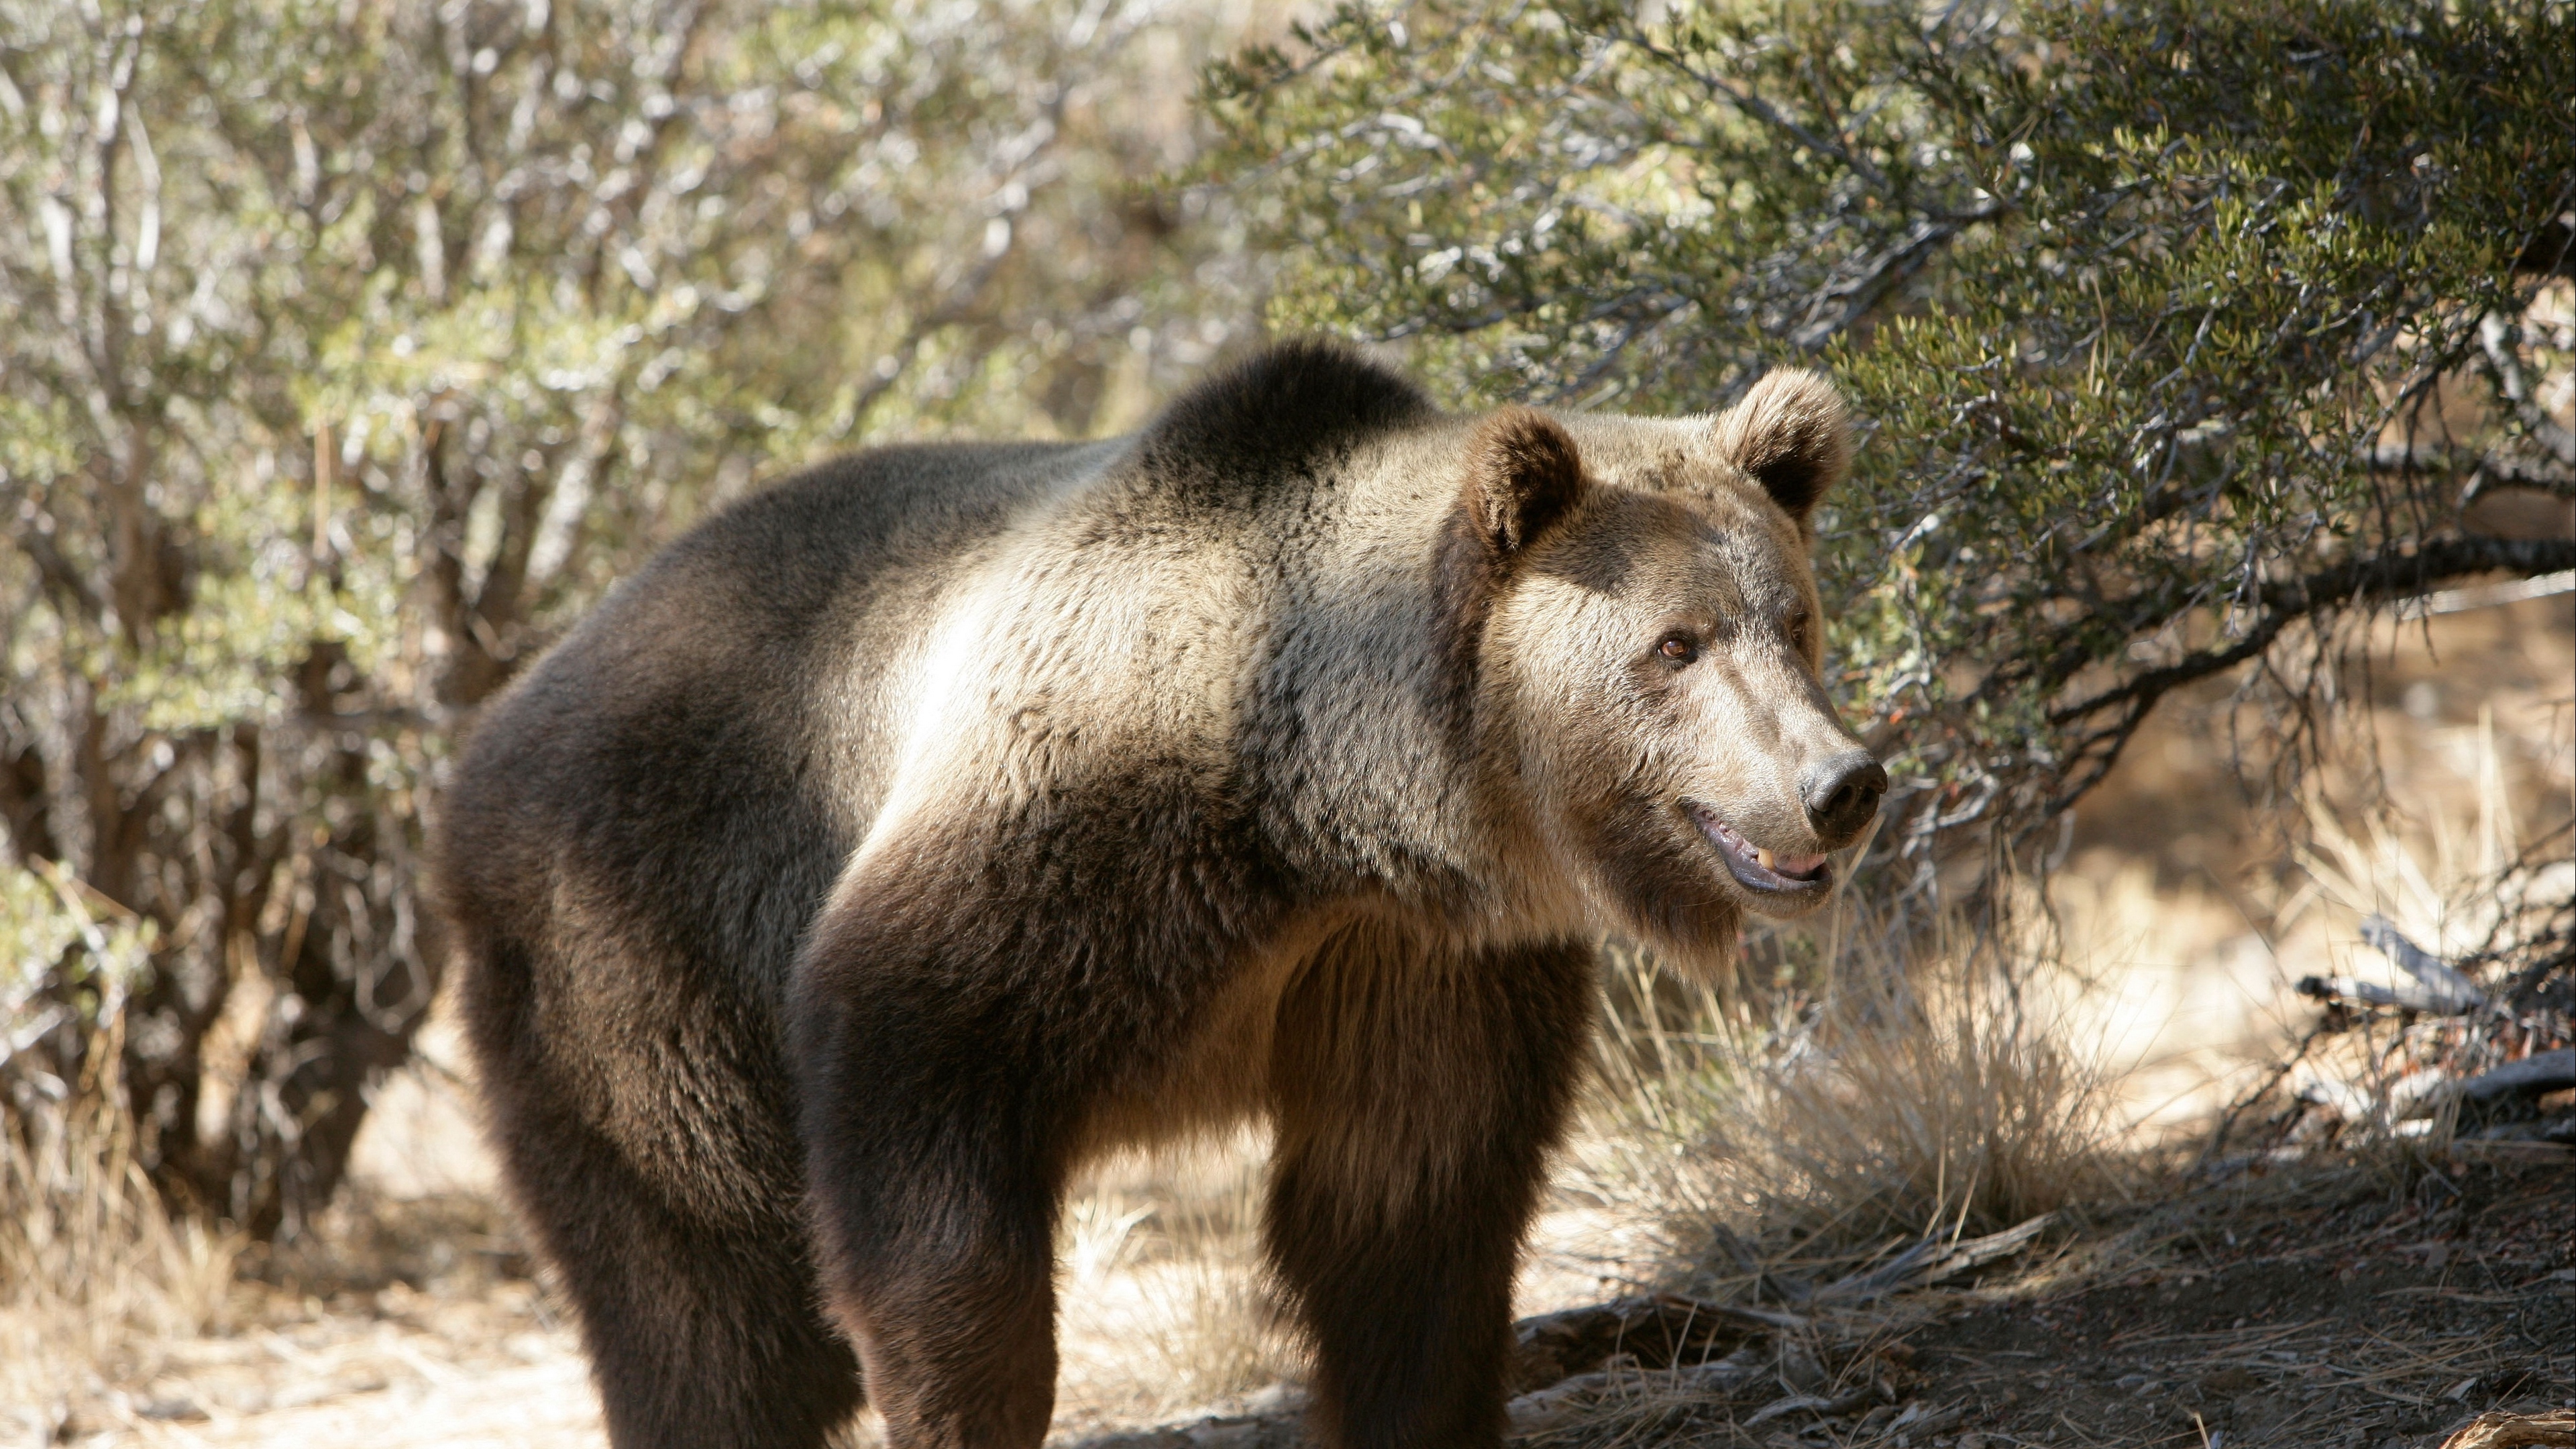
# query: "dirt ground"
2320,1305
2320,1311
2321,1308
418,1326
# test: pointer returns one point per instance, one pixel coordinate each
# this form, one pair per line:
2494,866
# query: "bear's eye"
1679,648
1799,624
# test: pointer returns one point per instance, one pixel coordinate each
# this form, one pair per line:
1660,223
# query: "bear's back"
688,767
663,801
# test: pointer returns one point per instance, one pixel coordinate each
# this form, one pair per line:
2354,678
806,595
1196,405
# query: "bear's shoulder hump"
1282,405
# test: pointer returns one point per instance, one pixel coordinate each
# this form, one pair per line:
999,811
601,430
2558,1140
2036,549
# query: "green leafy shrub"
2182,330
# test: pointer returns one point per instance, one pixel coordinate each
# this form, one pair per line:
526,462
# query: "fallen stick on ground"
1656,1329
1933,1260
2438,989
2539,1072
1569,1401
2371,993
2437,975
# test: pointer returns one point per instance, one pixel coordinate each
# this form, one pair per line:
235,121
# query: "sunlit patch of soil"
400,1369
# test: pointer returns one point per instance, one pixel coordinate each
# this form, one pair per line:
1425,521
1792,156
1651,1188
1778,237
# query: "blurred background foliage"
2179,328
351,347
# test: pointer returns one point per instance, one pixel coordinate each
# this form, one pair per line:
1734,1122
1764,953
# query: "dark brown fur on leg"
933,1204
1417,1099
703,1342
945,1280
701,1335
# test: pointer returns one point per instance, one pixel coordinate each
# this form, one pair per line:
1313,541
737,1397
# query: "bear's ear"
1790,435
1522,475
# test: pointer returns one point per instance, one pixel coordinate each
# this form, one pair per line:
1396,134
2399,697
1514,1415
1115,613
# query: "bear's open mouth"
1757,869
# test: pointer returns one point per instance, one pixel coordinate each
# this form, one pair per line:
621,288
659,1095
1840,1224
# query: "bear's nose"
1842,793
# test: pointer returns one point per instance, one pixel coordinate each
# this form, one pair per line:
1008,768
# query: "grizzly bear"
946,816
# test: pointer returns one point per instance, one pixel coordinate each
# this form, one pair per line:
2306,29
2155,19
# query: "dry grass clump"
1164,1307
1902,1089
95,1271
2449,870
1211,1338
1928,1105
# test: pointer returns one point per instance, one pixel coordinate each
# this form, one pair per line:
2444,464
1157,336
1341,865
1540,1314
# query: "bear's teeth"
1764,857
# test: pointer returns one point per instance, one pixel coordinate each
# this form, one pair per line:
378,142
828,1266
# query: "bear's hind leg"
700,1336
940,1264
696,1338
1416,1102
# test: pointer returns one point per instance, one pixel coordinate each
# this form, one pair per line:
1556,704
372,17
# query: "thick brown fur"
943,817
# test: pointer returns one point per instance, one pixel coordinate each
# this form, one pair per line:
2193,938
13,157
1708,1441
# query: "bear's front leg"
933,1207
1417,1095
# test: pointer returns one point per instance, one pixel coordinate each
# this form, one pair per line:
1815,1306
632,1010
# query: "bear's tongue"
1796,867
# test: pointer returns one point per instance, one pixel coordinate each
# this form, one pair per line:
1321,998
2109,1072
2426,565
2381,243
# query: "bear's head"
1647,654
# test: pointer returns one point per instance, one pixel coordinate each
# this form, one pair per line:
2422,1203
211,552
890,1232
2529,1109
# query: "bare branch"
2355,581
2498,341
1857,295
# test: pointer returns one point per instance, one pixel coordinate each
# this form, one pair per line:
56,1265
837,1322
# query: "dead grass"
96,1274
2429,863
1903,1093
1922,1100
1164,1308
2462,874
